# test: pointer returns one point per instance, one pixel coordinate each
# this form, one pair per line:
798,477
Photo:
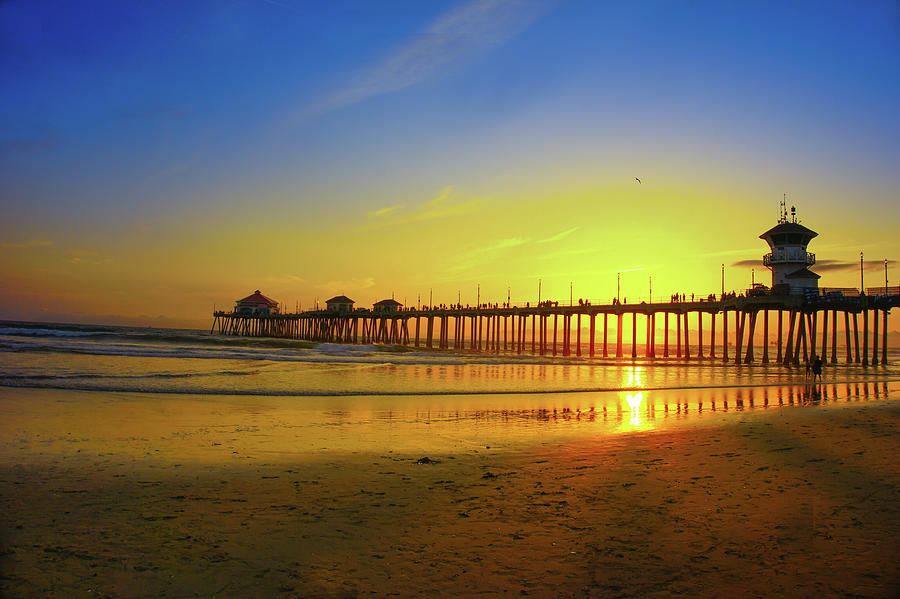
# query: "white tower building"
789,259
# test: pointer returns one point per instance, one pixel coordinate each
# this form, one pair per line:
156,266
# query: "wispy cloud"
839,265
559,236
455,37
174,168
285,279
86,257
748,264
445,204
826,265
500,244
484,254
80,260
570,252
83,253
384,211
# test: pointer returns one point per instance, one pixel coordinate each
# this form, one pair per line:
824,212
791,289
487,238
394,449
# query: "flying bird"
638,180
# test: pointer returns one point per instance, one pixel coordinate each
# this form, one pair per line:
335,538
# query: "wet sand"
113,495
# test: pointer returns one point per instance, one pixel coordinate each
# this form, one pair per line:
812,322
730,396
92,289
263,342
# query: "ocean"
172,361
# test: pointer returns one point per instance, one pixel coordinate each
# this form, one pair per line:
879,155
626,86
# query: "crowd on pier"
675,298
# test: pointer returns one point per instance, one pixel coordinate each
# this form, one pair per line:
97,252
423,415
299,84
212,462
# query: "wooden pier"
802,328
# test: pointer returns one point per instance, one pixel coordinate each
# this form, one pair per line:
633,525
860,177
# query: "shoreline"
851,379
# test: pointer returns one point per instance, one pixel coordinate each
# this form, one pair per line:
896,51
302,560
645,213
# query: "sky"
162,159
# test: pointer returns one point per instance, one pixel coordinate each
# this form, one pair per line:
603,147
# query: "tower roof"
340,299
790,229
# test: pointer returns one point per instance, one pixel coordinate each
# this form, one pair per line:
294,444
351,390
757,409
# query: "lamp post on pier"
723,281
885,277
862,287
619,287
539,293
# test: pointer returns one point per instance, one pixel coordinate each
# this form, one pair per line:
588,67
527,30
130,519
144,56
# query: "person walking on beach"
817,368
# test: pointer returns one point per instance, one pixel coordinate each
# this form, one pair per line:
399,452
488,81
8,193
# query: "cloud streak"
484,254
455,37
825,265
384,211
558,236
748,264
445,204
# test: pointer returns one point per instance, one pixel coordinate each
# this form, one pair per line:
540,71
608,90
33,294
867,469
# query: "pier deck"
548,329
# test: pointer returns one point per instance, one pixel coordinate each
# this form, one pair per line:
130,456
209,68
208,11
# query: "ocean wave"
151,351
12,378
149,336
28,332
321,353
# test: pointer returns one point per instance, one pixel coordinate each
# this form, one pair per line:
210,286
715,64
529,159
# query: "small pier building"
340,304
256,304
387,306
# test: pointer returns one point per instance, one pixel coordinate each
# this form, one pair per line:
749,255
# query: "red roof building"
256,303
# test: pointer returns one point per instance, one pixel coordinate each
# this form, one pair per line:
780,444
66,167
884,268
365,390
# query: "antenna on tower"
782,211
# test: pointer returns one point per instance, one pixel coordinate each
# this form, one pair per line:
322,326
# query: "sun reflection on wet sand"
634,401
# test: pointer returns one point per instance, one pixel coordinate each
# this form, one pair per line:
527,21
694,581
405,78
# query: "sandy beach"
124,495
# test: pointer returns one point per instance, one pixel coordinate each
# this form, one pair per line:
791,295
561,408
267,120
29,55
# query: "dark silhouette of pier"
802,327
